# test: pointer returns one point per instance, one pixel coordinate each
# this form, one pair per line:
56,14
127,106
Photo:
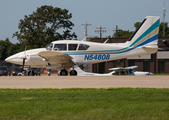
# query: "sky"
104,13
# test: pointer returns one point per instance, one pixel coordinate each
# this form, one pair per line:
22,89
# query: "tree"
4,45
42,27
15,48
137,24
122,33
166,29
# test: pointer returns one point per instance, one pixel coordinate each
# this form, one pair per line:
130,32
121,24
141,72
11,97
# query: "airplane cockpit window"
60,47
83,47
49,46
72,46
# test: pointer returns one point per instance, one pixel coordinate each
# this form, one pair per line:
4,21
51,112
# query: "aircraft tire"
63,72
73,73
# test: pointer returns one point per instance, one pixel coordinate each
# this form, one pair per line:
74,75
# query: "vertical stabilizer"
146,34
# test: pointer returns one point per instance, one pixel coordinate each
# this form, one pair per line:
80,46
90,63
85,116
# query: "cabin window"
83,47
60,47
49,46
72,46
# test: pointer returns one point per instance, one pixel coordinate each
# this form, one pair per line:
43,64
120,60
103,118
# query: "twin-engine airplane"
64,54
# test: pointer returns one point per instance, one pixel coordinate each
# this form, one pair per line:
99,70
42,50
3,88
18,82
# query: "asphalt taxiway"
44,81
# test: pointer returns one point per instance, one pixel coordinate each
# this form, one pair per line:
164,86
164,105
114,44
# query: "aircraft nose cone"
7,59
13,59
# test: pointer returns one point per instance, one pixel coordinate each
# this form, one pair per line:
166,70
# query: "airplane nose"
13,59
7,59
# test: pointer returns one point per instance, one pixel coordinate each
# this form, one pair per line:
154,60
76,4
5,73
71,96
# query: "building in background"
155,63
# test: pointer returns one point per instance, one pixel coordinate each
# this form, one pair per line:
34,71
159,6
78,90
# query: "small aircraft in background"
64,54
115,71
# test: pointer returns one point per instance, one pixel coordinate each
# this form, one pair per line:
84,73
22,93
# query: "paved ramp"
54,81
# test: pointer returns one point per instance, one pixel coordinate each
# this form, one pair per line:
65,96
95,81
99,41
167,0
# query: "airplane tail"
146,35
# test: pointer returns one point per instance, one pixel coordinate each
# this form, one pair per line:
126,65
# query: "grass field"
84,104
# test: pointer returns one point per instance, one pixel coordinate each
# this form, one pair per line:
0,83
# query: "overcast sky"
105,13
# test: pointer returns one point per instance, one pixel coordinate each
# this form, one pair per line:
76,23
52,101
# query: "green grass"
161,74
84,104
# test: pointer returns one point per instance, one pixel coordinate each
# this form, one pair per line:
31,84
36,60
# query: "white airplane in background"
115,71
64,54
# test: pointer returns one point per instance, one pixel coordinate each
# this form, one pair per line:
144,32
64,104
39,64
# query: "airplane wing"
120,68
54,58
131,67
115,69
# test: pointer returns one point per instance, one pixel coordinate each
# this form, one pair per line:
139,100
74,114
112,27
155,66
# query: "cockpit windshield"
49,46
83,47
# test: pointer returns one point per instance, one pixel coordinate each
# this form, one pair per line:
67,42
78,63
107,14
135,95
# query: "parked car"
27,71
4,70
16,71
35,71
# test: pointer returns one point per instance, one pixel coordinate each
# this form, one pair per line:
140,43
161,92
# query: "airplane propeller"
24,58
23,63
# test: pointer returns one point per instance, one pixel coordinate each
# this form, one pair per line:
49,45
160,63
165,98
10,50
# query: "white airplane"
115,71
64,54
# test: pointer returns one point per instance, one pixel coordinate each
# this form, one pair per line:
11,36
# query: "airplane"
64,54
115,71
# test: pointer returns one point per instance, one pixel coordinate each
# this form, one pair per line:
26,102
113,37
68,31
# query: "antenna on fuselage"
106,41
84,38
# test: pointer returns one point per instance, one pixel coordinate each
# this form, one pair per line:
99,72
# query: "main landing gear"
73,73
64,72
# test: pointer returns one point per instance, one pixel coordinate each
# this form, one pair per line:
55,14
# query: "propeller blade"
25,51
23,63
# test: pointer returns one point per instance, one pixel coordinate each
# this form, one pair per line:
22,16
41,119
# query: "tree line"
126,33
48,24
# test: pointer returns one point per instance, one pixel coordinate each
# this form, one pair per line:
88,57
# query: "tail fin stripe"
154,26
155,37
154,32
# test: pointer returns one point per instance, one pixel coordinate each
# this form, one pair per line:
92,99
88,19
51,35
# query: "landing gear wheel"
73,73
63,72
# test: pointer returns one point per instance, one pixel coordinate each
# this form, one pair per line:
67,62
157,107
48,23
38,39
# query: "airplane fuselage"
95,52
